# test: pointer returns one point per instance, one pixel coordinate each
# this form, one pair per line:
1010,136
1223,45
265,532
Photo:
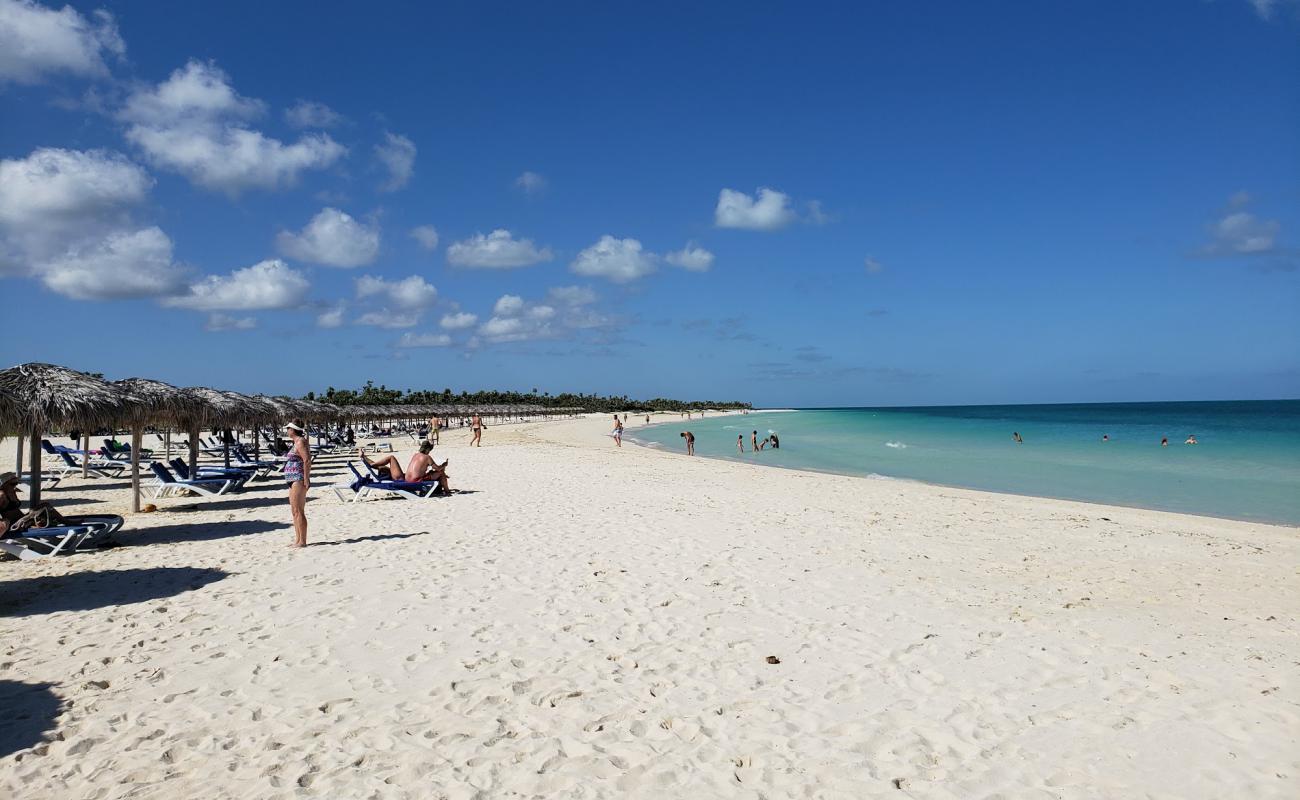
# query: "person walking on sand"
690,442
618,431
434,425
476,425
297,472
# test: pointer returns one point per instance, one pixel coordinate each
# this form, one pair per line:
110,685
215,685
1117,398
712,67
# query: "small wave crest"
896,445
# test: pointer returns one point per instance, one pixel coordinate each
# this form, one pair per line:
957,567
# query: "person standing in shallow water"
740,442
690,442
297,471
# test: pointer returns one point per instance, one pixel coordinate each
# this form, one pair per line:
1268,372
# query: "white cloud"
424,340
498,250
36,41
426,235
458,321
508,305
1241,233
407,294
530,182
123,264
389,319
332,238
873,266
65,217
308,114
692,257
265,285
194,123
224,322
1266,8
397,154
767,213
572,295
619,260
331,318
541,312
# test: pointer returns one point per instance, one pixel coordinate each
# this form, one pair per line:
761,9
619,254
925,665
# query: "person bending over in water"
690,442
776,443
420,468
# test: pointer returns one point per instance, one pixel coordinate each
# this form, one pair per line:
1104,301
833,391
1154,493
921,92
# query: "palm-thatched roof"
217,409
40,397
157,403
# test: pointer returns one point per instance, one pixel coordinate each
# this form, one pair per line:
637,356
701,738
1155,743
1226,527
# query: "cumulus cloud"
265,285
332,238
459,321
389,319
508,305
1241,233
225,322
424,340
872,266
770,211
407,294
397,155
195,123
692,257
572,295
36,42
497,250
332,317
426,235
307,114
65,217
618,260
121,265
1267,8
530,183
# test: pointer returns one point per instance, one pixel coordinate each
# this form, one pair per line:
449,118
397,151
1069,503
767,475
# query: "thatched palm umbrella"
40,397
216,408
153,403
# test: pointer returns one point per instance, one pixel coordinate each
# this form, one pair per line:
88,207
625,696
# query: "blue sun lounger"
84,532
168,484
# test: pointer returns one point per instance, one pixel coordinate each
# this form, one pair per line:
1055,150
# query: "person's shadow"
28,711
83,591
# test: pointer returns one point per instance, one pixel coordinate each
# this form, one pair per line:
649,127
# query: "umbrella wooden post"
225,445
85,455
194,450
35,455
18,462
167,444
135,469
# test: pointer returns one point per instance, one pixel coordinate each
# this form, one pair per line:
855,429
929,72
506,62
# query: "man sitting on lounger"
420,469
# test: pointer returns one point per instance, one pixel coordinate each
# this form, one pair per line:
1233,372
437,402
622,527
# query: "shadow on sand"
29,711
195,531
83,591
379,537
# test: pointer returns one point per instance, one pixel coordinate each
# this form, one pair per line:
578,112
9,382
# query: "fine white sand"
590,622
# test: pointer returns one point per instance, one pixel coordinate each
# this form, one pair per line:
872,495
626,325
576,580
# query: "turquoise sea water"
1247,465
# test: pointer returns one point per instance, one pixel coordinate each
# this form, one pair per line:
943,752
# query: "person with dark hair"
690,442
420,468
753,442
297,472
476,425
740,442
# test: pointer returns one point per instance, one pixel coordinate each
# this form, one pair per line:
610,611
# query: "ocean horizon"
1245,464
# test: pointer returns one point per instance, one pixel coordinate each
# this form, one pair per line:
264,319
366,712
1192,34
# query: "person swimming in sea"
1164,442
1015,435
1191,439
1105,437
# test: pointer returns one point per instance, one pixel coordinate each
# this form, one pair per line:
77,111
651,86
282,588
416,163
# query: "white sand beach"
584,621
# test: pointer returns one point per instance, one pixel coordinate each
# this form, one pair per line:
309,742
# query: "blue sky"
851,204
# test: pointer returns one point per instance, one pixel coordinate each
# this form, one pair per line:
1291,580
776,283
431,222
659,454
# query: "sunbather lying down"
420,469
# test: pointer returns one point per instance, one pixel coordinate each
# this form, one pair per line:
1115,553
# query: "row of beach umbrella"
36,398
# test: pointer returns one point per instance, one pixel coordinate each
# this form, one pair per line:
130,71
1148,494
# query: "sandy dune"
588,622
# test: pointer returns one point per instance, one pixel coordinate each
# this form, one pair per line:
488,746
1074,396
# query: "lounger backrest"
49,448
353,467
182,469
162,472
67,459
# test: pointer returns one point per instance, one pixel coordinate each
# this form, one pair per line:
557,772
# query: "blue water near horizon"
1246,465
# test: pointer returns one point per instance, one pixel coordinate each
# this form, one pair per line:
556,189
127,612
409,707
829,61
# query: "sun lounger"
239,476
97,466
85,532
167,484
122,452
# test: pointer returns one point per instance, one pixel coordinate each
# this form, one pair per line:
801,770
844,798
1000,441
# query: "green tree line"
381,395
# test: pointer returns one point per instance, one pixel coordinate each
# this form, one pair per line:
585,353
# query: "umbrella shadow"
235,503
84,591
196,531
29,711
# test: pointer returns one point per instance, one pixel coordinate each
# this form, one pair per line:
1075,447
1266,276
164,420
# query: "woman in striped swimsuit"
297,471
